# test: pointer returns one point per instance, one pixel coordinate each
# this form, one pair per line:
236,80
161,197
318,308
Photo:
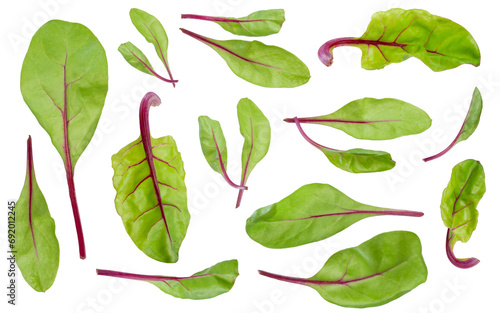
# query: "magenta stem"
312,120
223,168
288,279
218,19
135,276
312,142
460,263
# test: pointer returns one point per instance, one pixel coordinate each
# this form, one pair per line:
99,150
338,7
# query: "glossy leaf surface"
205,284
260,23
256,130
395,35
259,64
64,81
353,160
150,191
468,127
312,213
374,119
374,273
458,207
151,28
36,246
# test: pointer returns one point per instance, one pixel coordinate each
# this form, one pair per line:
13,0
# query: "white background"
207,86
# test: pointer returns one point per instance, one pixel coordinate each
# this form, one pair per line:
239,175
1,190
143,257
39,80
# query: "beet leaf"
374,273
395,35
374,119
150,190
64,81
312,213
260,23
353,160
458,207
257,63
206,284
37,247
468,127
256,130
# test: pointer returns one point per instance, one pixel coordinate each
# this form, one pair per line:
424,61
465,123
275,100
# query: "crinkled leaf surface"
256,130
395,35
312,213
375,119
260,23
374,273
150,191
458,206
37,247
469,126
205,284
259,64
151,28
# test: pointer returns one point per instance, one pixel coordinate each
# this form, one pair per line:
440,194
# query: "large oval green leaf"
395,35
36,246
458,207
374,273
312,213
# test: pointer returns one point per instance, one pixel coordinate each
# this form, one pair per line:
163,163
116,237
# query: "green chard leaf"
138,60
468,127
64,82
256,130
257,63
206,284
151,28
458,207
150,190
395,35
260,23
213,145
353,160
374,273
37,247
312,213
374,119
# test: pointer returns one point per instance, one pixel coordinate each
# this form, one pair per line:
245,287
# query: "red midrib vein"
148,277
30,193
220,19
351,212
244,176
318,120
161,52
147,101
210,42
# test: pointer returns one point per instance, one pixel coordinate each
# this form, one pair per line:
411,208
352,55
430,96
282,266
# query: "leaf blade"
313,212
259,64
37,248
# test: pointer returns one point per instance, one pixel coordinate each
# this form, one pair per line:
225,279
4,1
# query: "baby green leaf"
256,130
151,28
206,284
37,247
374,273
353,160
213,145
312,213
458,207
395,35
469,125
374,119
257,63
260,23
150,190
137,59
64,81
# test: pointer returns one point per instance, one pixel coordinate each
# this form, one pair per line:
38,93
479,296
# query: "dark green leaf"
259,64
150,191
374,273
312,213
206,284
395,35
458,207
260,23
64,81
36,244
374,119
